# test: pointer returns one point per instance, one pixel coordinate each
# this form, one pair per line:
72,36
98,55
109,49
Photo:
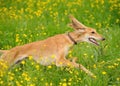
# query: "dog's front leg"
65,62
83,68
86,71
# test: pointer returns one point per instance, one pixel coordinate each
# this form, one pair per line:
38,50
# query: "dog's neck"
72,39
75,37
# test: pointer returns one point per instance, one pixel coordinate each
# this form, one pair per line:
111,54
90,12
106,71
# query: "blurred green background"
25,21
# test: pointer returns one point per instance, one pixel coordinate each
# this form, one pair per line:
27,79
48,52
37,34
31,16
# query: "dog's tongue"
94,41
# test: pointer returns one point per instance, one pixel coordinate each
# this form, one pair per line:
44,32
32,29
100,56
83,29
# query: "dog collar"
72,39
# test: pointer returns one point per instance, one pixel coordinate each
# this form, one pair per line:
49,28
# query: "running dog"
55,48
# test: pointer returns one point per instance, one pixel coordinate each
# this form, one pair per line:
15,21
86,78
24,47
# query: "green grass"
25,21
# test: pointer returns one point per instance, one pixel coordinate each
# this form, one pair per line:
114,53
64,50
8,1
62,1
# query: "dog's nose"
103,39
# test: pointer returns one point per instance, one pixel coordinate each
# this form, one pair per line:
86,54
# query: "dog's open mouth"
92,40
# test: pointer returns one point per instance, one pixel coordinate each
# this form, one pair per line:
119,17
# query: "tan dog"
54,49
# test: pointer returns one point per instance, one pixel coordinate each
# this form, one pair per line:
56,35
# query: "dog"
55,48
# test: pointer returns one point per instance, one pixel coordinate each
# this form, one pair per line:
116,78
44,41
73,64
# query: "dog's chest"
66,49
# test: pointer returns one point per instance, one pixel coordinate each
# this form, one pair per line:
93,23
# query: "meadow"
25,21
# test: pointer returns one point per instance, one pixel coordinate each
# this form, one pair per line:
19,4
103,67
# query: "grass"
26,21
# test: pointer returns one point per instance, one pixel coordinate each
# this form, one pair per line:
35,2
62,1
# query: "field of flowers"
25,21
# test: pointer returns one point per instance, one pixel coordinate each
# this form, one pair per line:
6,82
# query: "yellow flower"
32,63
70,72
118,59
92,5
24,74
16,70
32,84
94,65
64,80
11,78
85,54
92,56
17,37
25,35
38,13
30,57
49,67
60,63
53,56
70,79
104,72
1,82
53,63
37,67
118,79
64,84
117,20
69,83
18,83
23,62
70,55
102,2
44,33
110,67
62,19
46,84
21,81
27,78
42,79
51,84
94,76
116,64
79,79
66,12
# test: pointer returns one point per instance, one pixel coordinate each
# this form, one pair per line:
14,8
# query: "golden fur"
54,49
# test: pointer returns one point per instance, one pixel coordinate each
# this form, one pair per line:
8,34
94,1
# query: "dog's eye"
93,32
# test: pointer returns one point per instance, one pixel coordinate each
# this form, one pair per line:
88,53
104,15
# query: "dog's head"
84,33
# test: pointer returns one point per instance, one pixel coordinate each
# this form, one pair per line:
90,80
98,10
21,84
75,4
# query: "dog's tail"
3,51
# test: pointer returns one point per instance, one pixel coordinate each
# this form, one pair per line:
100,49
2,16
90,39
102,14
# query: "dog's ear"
75,24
